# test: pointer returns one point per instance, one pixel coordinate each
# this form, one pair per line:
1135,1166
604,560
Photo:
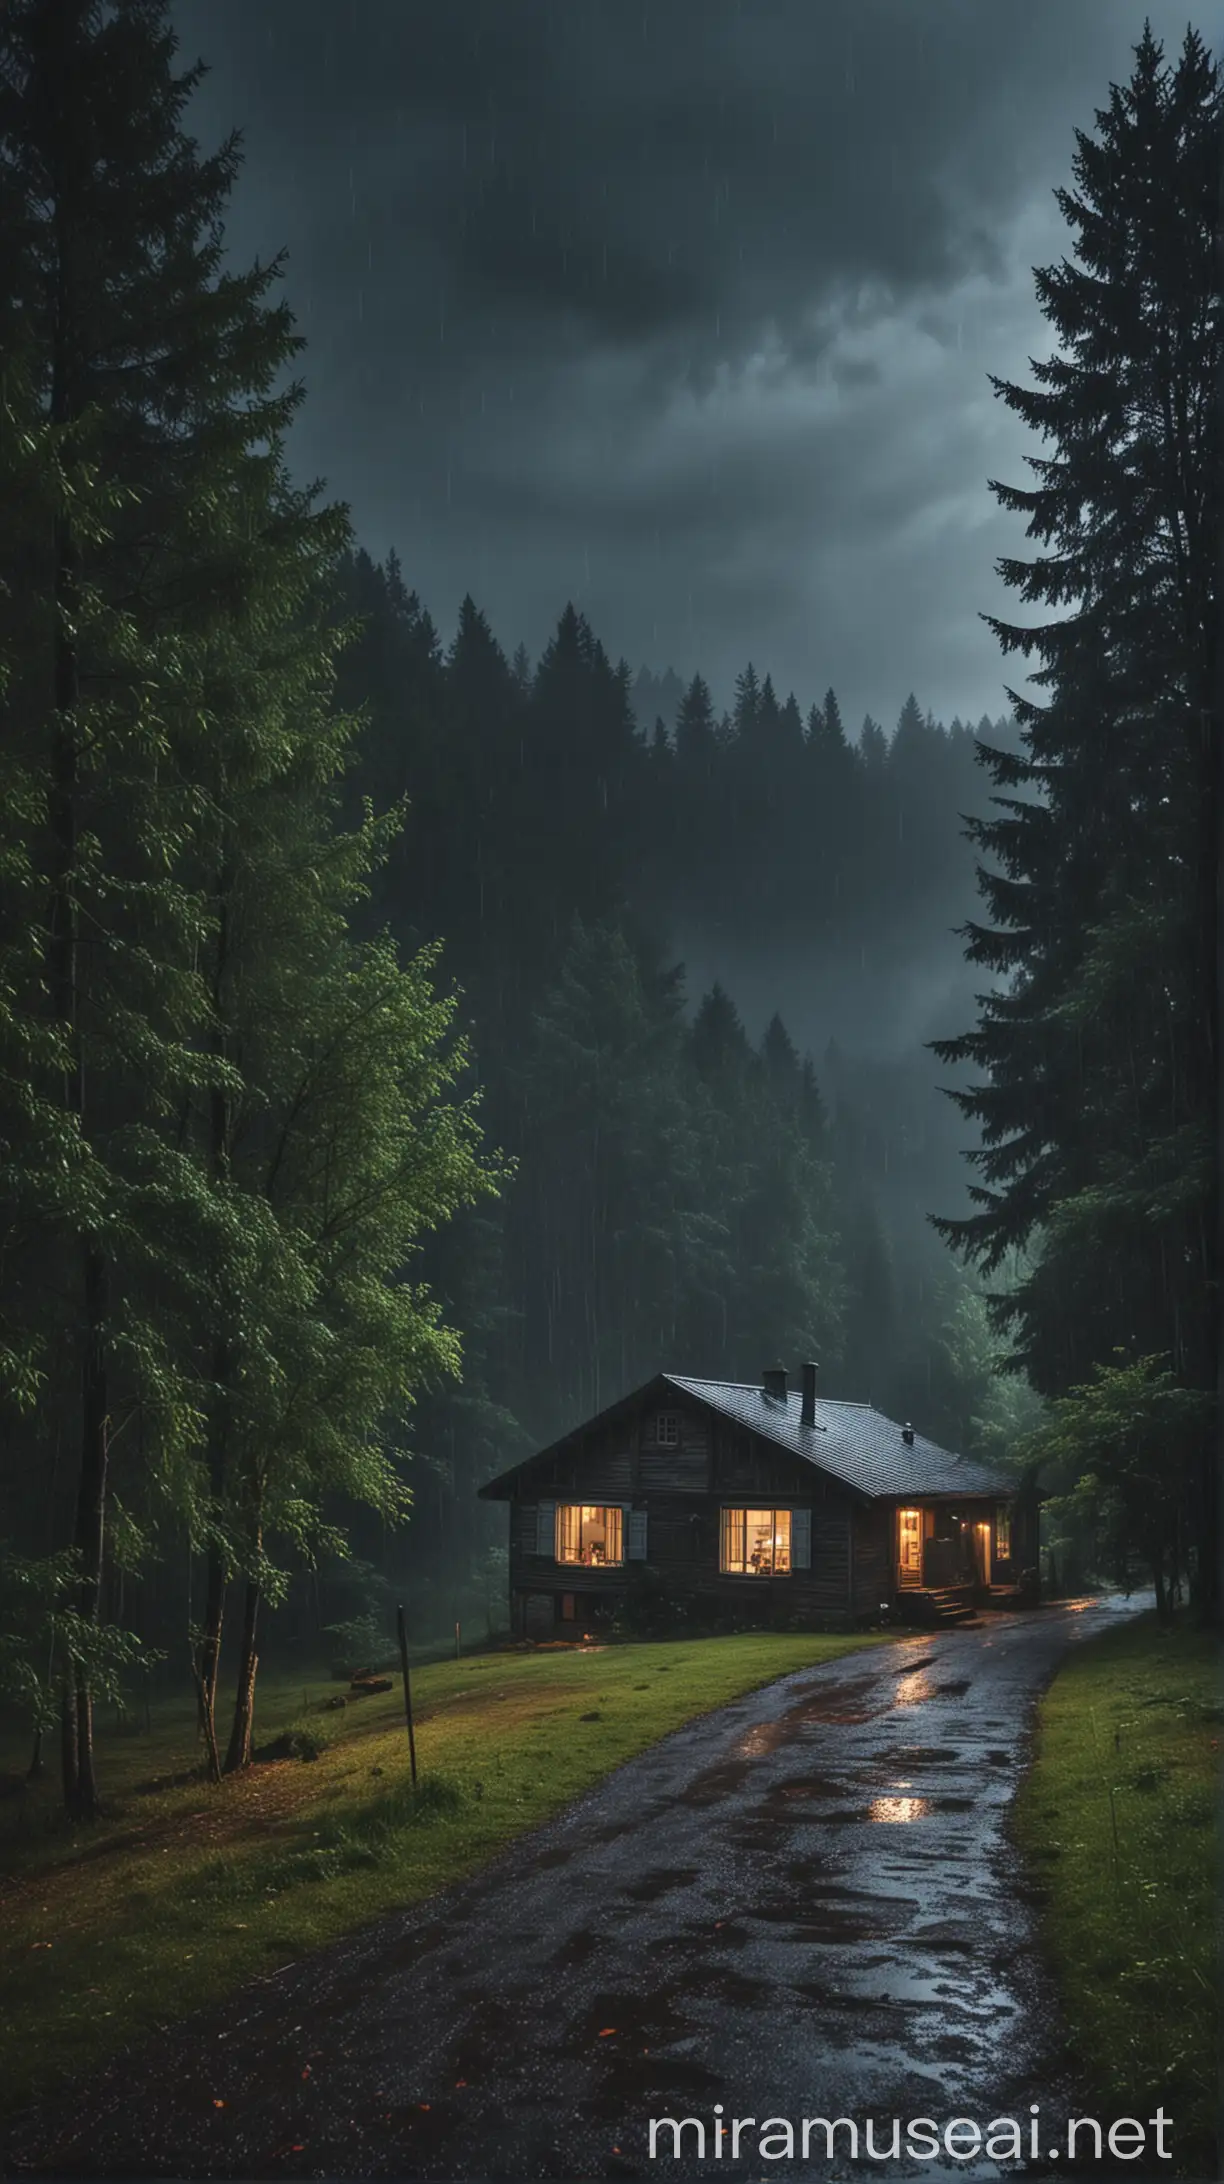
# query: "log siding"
673,1486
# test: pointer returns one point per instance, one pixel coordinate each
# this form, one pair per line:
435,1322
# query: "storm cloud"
681,310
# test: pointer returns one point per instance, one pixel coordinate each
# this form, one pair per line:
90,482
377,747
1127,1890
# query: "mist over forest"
701,959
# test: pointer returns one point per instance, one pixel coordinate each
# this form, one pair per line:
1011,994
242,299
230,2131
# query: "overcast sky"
682,309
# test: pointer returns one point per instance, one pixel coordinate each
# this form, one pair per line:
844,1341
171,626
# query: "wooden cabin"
760,1502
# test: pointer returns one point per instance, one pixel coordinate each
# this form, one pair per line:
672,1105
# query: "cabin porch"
949,1561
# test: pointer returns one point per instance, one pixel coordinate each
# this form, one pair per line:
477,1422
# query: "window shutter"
635,1527
801,1539
546,1530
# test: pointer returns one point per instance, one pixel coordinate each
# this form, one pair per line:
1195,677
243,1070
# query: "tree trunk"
80,1788
90,1535
68,1748
222,1358
239,1753
208,1657
1158,1580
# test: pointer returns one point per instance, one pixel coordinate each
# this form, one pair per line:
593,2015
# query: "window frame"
728,1512
561,1526
669,1420
1003,1533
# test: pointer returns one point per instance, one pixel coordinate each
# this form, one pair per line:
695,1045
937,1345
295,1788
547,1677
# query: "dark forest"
609,1087
410,1045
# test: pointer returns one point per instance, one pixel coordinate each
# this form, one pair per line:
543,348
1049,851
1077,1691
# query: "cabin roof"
850,1442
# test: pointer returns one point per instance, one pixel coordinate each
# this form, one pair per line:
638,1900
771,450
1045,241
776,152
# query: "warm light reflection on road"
899,1808
914,1688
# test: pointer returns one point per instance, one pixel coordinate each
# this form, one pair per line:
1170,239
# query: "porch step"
949,1604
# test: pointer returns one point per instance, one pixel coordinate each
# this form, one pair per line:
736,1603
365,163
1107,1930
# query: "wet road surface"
803,1905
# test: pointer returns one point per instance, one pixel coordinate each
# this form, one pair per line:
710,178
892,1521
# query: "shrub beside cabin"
760,1504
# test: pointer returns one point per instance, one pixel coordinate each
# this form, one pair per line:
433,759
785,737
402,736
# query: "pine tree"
155,372
768,722
790,727
582,773
696,738
1096,1058
173,841
747,708
601,1219
873,746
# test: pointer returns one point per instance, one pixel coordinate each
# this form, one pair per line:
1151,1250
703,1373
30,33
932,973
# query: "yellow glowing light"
898,1808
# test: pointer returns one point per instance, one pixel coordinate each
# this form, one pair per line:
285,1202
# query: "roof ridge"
701,1380
866,1453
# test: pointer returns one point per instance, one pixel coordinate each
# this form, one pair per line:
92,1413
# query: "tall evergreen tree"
1097,1061
873,746
696,736
157,371
173,755
747,707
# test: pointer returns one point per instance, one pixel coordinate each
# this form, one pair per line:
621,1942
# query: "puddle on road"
913,1688
942,1935
714,1783
899,1804
761,1741
844,1703
841,1702
784,1793
827,1925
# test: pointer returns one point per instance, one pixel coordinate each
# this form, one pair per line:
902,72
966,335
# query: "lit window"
1003,1532
755,1542
667,1430
589,1535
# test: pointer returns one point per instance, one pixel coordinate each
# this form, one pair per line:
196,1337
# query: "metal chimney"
810,1371
907,1434
773,1382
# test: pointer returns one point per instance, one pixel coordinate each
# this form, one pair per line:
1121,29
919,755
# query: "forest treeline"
357,1131
685,1194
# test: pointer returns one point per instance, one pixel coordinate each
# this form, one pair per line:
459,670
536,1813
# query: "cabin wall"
875,1576
683,1469
683,1488
682,1555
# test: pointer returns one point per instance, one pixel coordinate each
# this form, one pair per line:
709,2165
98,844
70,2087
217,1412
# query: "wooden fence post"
403,1647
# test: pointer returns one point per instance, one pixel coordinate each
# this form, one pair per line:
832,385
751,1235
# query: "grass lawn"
1118,1816
183,1891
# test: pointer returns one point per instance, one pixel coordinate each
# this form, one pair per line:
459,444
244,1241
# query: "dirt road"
803,1905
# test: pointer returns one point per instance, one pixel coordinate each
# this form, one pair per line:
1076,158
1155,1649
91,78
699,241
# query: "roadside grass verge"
182,1891
1119,1817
